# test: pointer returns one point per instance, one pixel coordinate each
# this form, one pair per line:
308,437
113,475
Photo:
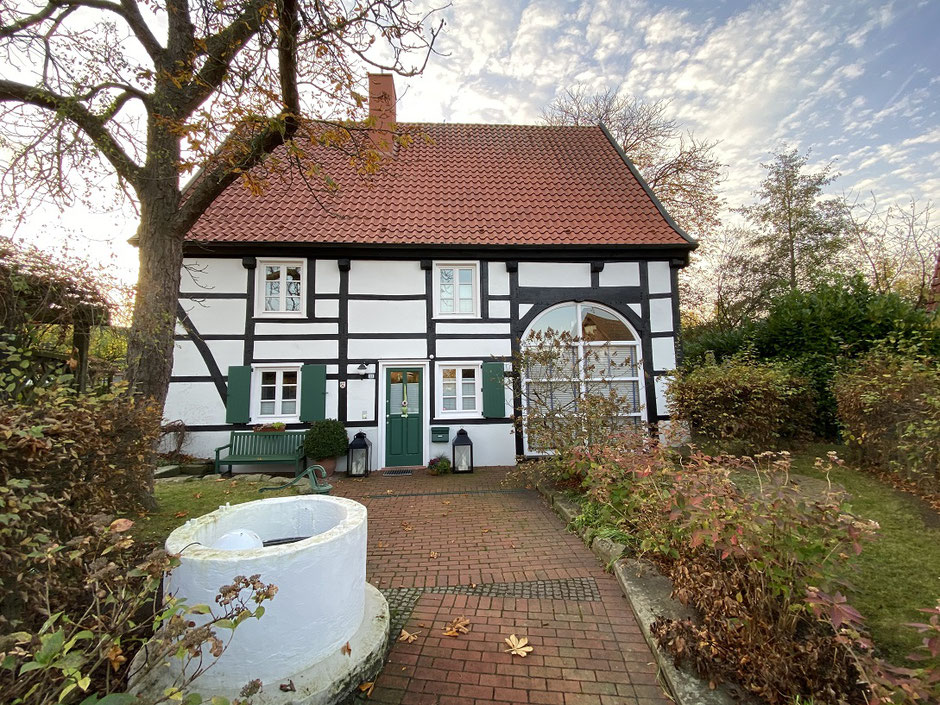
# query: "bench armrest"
227,445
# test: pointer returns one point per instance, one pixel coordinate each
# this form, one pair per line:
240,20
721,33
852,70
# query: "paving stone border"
649,593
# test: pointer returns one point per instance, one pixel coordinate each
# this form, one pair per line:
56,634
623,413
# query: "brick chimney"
382,101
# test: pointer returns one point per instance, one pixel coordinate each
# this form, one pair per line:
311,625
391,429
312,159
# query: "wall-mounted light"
363,370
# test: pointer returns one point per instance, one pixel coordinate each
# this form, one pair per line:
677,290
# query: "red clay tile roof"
467,185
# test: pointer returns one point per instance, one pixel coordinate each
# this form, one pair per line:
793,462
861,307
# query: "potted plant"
439,465
325,441
269,427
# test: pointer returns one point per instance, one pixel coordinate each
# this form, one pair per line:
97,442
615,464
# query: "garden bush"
756,567
889,409
742,404
817,330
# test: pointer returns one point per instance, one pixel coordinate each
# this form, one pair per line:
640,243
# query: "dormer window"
456,290
280,289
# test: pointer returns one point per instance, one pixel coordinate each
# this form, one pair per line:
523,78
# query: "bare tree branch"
71,110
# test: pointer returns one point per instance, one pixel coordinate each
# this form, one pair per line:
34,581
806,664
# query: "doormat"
400,472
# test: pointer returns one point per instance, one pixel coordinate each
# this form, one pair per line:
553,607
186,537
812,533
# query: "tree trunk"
150,344
150,347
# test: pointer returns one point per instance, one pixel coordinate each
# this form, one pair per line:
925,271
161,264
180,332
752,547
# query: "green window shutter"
237,408
494,391
312,392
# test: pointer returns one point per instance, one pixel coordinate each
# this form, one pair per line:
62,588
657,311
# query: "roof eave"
692,243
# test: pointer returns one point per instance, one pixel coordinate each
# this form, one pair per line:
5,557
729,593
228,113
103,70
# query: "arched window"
596,353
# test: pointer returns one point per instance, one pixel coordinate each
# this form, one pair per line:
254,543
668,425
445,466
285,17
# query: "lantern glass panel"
358,465
462,458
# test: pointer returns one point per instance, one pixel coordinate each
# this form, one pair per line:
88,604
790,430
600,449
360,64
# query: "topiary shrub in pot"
325,441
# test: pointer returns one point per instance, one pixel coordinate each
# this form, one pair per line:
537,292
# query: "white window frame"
260,292
440,411
640,414
436,287
256,370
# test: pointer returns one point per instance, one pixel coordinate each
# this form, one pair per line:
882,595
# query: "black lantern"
359,457
463,452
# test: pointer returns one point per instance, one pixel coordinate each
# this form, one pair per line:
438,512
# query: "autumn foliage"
758,561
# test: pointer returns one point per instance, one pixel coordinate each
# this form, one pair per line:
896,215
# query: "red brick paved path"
485,530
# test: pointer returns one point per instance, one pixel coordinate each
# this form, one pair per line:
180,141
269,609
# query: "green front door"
404,430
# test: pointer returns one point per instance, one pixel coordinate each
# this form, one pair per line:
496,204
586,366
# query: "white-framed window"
275,393
604,357
456,290
280,287
460,389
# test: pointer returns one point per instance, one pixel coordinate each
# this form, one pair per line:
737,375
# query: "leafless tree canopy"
681,169
155,91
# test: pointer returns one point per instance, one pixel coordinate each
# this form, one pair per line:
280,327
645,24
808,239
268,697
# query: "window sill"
275,315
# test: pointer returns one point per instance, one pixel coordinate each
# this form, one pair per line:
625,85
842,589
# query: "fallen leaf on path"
486,531
346,650
421,624
408,637
406,526
180,515
367,688
433,554
517,646
380,544
446,501
457,626
389,491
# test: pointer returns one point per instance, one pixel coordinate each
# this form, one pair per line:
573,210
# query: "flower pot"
328,464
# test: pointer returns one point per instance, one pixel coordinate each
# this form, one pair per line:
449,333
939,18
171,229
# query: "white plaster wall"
379,348
202,444
326,308
473,328
474,347
187,362
493,444
554,274
331,405
194,403
661,315
499,309
296,328
360,400
660,279
386,277
326,277
216,316
498,279
636,308
296,349
300,627
662,394
387,316
227,353
664,353
218,276
524,309
620,274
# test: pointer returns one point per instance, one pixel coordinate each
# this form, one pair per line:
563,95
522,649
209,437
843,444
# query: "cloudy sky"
855,81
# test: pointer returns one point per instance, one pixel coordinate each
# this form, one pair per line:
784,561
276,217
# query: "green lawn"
197,498
897,573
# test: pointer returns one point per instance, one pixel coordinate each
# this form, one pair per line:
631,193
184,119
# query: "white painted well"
321,582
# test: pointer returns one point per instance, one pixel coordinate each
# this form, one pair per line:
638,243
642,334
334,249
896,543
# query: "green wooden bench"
250,448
